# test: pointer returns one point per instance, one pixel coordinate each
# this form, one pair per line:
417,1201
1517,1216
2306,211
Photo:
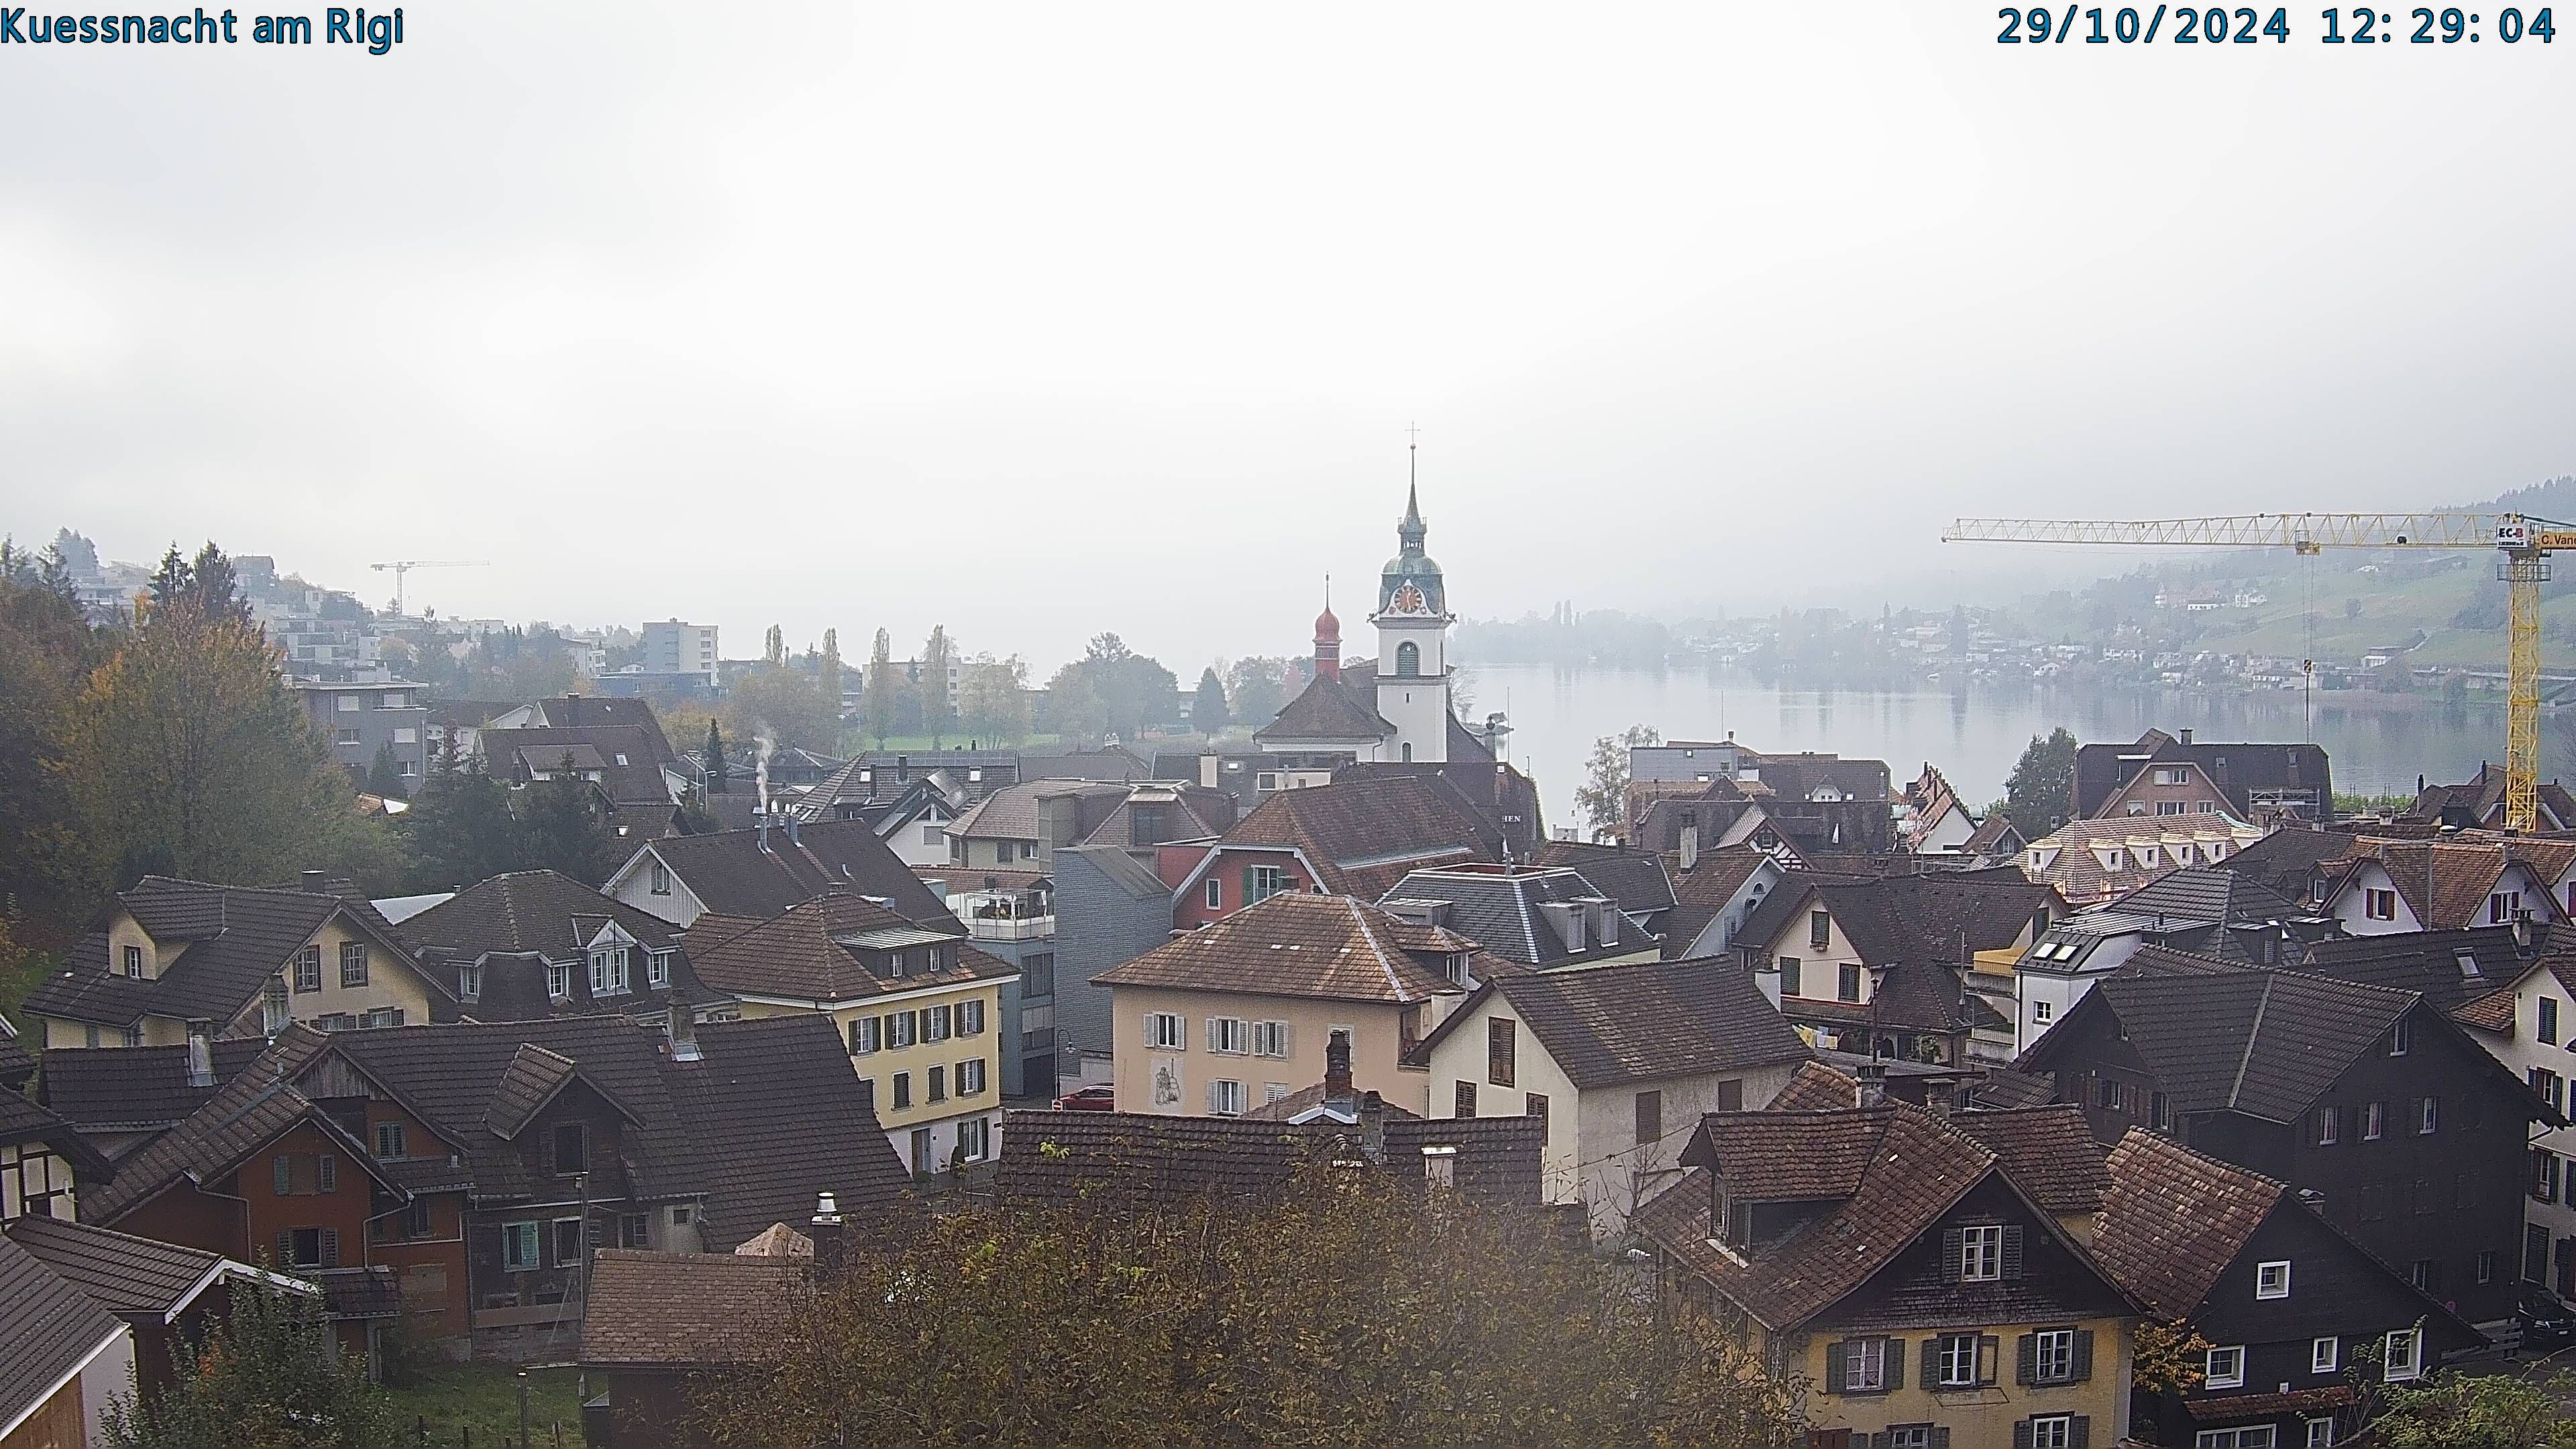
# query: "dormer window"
469,982
608,972
134,962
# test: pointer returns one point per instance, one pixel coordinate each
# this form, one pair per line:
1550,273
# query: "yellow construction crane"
2523,546
403,566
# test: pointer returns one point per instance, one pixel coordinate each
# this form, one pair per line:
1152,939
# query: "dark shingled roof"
527,1084
2207,895
1921,916
2102,769
2432,962
1128,1160
731,872
1636,879
1299,944
237,939
24,1121
1705,889
541,911
1327,709
2287,859
683,1309
1644,1020
245,1114
1502,908
517,754
2047,1151
120,1272
48,1327
136,1089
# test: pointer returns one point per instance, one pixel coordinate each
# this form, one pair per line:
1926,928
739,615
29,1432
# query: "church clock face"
1408,600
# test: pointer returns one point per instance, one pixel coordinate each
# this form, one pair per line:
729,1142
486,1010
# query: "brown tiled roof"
238,939
1702,891
1013,812
1644,1020
1996,832
136,1089
244,1115
48,1328
1290,945
527,1084
2003,1088
1299,1101
1924,916
2237,1408
2047,1151
2173,1220
819,950
732,871
1815,1087
2491,1012
683,1309
1362,835
119,1272
2444,883
1895,1169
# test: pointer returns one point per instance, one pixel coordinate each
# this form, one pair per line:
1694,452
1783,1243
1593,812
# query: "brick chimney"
1872,1077
1337,1067
829,1232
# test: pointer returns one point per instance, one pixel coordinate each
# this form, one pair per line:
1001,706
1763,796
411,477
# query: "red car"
1099,1097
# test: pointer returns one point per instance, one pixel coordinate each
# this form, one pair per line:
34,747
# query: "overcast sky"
1042,319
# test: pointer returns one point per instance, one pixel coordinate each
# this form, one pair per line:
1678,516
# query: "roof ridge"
2253,1034
1392,984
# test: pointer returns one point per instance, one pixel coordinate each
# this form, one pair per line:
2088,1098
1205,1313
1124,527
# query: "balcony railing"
1010,928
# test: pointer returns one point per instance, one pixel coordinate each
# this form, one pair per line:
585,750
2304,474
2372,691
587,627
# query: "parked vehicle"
2547,1324
1098,1097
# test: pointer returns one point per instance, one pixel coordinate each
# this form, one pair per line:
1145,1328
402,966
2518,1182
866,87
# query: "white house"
2417,885
1622,1060
2532,1031
1714,894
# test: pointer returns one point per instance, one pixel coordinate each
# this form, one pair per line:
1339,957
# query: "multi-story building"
671,647
362,719
917,1007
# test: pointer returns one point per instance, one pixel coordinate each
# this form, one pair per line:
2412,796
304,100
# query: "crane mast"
2523,546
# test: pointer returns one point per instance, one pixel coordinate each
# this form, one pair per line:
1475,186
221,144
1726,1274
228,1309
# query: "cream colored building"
917,1008
231,962
1238,1013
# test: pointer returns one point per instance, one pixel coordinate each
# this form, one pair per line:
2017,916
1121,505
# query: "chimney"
830,1235
2522,930
1337,1067
794,837
315,881
682,1024
2186,734
1372,1120
1872,1077
902,768
201,1055
1767,977
1690,846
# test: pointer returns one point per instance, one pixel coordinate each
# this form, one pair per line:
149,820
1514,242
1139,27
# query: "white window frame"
657,969
1946,1356
2234,1377
1270,1038
469,982
1165,1031
1215,894
935,1022
1229,1036
1981,1253
2320,1433
1227,1098
2244,1436
2378,905
970,1016
974,1139
2325,1355
661,880
2052,1359
2272,1280
2052,1431
2412,1366
866,1036
558,980
1865,1365
608,971
2400,1037
970,1077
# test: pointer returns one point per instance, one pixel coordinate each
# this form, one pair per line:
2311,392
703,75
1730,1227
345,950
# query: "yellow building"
1237,1014
918,1010
170,956
1915,1270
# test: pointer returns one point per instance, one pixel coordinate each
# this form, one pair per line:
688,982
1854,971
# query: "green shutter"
2083,1431
2083,1355
1895,1364
2026,1359
2012,1252
1954,1244
1837,1367
1932,1362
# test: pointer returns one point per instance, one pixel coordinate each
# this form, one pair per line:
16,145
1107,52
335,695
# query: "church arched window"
1408,745
1408,659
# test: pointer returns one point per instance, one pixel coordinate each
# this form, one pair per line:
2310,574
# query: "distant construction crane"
2523,546
404,566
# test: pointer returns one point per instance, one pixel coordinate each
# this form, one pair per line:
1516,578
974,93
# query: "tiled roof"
1893,1170
541,911
1815,1087
48,1328
1110,762
527,1084
24,1121
2101,769
1636,879
1327,709
1295,944
541,749
2450,967
119,1272
732,871
831,948
1923,916
1503,908
2287,858
2091,861
244,1115
1155,814
1643,1021
2003,1088
2047,1151
1287,1108
736,1126
1130,1160
1995,834
683,1309
237,939
111,1089
590,711
2220,1037
2491,1012
1014,812
1705,889
1362,835
2207,895
2444,883
2173,1220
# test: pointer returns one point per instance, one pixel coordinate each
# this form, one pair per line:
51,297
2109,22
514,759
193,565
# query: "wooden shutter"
2021,1434
2012,1252
1932,1362
1954,1245
2082,1435
1838,1367
1148,1038
326,1173
281,1176
285,1252
330,1247
1287,1040
2083,1355
1895,1364
1211,1098
1211,1033
2026,1359
1940,1436
1989,1348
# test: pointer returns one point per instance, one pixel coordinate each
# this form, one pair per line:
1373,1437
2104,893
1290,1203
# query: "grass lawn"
484,1398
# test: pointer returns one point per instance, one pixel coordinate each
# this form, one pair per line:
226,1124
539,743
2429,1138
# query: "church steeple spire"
1411,530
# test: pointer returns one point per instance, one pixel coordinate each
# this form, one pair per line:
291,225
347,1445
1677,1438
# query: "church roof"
1327,710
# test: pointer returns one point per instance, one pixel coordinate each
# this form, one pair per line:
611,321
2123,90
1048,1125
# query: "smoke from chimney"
763,744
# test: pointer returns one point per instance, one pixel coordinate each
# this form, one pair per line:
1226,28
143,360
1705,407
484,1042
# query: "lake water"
2377,744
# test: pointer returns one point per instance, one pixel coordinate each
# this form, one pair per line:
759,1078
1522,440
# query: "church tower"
1413,622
